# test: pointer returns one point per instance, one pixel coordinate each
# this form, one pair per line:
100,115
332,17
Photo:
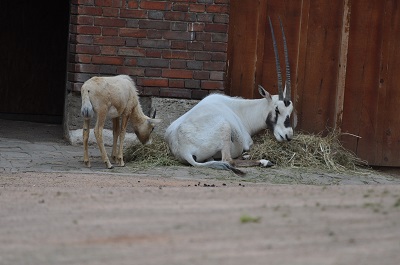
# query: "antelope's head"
278,119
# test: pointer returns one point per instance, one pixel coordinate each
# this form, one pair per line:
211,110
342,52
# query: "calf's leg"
86,131
116,132
120,157
98,132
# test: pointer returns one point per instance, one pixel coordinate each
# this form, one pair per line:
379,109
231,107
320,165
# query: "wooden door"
344,65
372,92
313,32
33,59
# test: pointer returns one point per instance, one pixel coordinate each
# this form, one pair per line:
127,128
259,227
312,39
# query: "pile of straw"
150,155
304,151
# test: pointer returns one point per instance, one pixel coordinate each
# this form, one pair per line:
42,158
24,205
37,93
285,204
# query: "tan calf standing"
115,97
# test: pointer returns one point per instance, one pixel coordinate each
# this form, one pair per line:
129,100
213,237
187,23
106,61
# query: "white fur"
220,126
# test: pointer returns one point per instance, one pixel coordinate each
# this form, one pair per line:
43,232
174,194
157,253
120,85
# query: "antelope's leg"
253,163
245,161
226,143
116,132
98,132
86,131
120,157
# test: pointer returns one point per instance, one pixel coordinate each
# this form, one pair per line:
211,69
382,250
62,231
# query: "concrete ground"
55,211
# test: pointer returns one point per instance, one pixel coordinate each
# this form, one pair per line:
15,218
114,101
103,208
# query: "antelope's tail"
221,165
87,108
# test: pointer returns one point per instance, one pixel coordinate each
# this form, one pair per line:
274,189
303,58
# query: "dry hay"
304,151
150,155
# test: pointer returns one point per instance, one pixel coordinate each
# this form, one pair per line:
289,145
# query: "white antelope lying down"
221,127
114,97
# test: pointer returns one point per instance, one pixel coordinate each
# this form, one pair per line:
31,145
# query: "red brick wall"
171,48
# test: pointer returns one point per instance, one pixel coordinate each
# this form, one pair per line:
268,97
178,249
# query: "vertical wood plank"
320,70
362,78
242,47
299,102
387,143
341,83
261,32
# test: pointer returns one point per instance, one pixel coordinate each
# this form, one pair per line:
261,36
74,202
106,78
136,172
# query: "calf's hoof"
87,163
109,166
120,162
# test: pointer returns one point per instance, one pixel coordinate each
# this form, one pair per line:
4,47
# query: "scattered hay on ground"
150,155
304,151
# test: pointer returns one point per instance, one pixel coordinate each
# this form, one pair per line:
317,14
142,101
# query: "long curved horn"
287,83
277,63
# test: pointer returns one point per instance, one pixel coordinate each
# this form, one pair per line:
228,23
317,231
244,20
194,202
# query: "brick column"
171,48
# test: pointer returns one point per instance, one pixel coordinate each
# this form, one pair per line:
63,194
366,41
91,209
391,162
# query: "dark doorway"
33,56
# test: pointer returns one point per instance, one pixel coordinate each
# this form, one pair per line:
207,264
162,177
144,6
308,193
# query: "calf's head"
144,129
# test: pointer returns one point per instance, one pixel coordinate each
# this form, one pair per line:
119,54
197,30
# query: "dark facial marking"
287,103
270,123
287,122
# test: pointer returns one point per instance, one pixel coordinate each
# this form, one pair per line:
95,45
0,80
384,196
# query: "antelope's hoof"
265,163
245,156
87,164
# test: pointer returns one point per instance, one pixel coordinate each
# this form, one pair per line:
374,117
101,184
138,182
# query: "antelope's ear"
263,92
